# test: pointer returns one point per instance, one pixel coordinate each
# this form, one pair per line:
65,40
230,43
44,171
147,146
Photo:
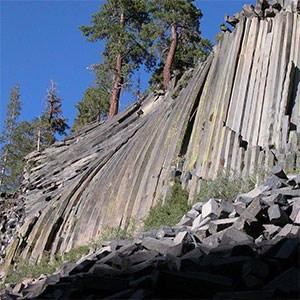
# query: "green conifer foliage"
9,146
53,116
42,132
177,38
20,138
119,23
92,108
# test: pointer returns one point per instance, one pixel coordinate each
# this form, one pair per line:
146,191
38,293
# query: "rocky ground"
245,248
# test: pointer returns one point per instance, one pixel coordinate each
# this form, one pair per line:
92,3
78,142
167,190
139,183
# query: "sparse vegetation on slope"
169,213
228,184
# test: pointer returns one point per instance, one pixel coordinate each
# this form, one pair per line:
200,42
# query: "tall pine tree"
119,23
20,138
178,43
9,148
50,122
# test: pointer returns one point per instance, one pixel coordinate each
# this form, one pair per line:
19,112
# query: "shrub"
228,184
76,253
169,213
115,233
23,269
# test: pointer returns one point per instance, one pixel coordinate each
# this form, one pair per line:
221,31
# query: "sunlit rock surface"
239,109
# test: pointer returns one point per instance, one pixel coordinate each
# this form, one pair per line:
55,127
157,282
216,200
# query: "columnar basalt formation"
239,109
248,114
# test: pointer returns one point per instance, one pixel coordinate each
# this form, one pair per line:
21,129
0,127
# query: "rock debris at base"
245,248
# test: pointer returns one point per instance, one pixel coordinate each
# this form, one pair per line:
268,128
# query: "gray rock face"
11,218
238,110
233,258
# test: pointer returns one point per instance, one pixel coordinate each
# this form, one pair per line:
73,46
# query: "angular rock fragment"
179,238
297,179
233,236
248,197
271,231
193,213
297,218
255,209
103,269
274,182
84,266
288,231
198,206
197,222
278,171
239,208
162,246
185,221
218,225
201,232
142,255
226,207
211,209
165,231
277,216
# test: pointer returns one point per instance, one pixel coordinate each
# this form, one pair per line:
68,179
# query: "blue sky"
40,40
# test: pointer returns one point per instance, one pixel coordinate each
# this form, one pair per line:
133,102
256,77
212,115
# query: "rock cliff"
239,109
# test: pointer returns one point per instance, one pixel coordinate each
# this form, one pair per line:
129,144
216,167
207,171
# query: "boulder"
211,209
277,216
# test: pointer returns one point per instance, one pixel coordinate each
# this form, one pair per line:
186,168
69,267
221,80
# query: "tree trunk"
38,141
170,57
3,169
51,101
115,96
98,117
118,81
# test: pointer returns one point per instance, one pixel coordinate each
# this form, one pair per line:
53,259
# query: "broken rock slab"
270,231
218,225
211,209
232,236
163,247
277,216
248,197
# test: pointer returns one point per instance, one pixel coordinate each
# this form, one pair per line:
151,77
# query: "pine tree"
9,147
50,122
119,23
42,132
53,116
92,108
23,142
178,42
